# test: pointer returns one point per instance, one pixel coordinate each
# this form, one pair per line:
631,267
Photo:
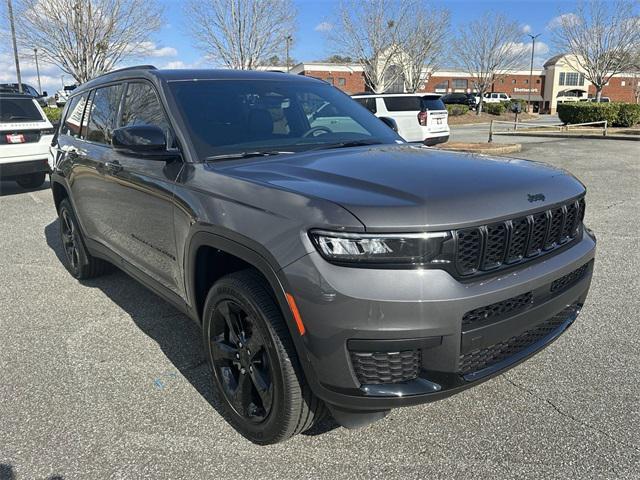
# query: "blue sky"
172,47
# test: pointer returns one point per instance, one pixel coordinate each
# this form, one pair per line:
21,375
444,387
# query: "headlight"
363,248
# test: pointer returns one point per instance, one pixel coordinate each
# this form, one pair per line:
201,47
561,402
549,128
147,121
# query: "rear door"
404,110
437,115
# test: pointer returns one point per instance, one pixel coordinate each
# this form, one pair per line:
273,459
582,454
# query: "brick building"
558,81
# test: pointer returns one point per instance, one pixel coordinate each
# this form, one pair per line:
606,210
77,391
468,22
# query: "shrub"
584,112
53,114
495,108
457,110
629,115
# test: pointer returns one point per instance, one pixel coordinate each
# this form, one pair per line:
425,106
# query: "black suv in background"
459,99
330,265
26,90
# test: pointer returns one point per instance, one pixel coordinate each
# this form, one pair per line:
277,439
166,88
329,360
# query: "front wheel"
256,373
32,180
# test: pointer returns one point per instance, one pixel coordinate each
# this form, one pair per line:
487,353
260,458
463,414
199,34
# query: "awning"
535,97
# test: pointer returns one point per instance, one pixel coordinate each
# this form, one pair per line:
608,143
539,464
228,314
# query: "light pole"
35,53
287,40
533,48
15,46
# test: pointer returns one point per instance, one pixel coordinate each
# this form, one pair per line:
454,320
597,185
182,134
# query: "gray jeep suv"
332,266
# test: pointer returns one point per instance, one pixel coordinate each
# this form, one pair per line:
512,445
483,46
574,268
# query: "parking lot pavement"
102,379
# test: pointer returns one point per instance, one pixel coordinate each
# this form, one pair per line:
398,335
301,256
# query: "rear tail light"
422,118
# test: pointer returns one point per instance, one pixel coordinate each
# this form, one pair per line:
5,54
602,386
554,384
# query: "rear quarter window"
73,118
16,110
432,103
402,104
368,103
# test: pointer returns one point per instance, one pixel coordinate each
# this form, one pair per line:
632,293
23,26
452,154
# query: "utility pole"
288,40
15,46
35,53
533,49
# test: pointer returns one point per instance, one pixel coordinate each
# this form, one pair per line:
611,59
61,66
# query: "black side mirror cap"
139,138
390,122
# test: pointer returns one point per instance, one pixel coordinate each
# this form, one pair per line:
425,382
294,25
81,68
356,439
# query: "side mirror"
44,94
139,139
390,122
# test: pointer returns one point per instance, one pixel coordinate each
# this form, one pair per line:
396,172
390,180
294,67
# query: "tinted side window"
402,104
142,107
368,103
73,118
103,113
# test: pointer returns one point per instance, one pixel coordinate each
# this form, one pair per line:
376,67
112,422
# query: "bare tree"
424,38
600,38
372,32
241,34
487,48
86,38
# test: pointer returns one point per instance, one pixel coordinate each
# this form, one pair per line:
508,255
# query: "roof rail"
134,67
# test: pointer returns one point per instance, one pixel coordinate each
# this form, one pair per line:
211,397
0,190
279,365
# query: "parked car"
25,136
420,117
26,90
340,270
62,95
493,97
468,99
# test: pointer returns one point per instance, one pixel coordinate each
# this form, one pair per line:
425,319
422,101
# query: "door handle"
113,167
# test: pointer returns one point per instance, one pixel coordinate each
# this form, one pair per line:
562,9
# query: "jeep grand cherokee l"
330,270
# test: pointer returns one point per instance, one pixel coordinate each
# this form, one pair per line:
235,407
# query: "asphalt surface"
102,379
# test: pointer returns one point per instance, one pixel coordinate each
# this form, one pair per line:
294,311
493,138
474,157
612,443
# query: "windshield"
226,117
19,110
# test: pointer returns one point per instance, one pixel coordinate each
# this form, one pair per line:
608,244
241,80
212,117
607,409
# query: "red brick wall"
616,91
511,84
353,81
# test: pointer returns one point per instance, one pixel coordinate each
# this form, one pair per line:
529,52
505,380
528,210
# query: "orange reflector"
295,312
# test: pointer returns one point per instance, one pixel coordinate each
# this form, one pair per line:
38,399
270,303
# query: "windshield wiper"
237,155
352,143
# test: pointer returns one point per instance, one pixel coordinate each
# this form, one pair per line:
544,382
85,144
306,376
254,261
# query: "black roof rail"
134,67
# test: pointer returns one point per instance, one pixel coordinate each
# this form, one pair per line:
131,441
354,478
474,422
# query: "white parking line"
35,198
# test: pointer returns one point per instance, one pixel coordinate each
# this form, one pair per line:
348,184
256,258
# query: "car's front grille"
569,279
500,245
376,368
477,360
492,312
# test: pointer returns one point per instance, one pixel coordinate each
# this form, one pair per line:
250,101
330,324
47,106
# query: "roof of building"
553,60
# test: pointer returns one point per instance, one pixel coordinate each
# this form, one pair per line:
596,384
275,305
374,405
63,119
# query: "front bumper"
347,310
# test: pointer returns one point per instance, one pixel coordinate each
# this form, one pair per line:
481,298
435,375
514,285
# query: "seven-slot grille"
501,244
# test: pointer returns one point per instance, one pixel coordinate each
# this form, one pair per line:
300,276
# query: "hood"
396,188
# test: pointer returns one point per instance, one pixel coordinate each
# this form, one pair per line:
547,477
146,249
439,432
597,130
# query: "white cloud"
526,29
151,50
49,74
323,27
556,22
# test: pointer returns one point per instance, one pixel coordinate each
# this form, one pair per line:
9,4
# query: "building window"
561,82
622,83
460,83
442,86
513,81
342,81
537,80
571,79
526,82
329,80
502,80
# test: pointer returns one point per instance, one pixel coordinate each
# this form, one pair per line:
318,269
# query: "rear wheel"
258,379
79,261
31,180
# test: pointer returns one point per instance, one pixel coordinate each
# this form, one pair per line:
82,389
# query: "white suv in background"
421,117
25,137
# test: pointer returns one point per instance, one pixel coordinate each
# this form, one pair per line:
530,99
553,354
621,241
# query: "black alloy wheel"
238,353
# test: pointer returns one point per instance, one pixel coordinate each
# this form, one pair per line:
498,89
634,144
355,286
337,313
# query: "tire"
240,308
32,180
79,261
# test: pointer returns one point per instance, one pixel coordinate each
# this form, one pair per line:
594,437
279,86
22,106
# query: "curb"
632,138
496,150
